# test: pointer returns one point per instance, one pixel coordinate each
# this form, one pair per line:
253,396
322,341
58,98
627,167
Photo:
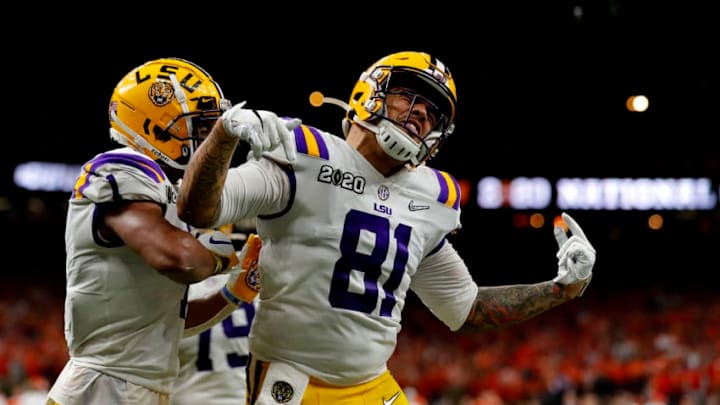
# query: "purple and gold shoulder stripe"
145,165
310,142
449,190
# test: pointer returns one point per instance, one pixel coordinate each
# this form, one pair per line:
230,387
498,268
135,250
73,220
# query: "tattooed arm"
445,285
500,306
201,188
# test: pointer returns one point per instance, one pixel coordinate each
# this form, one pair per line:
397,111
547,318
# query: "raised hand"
576,255
244,281
262,130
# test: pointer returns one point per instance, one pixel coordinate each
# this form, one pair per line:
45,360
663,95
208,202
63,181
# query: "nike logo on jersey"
214,241
413,207
392,399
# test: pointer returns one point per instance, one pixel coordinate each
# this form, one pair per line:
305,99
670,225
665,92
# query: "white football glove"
576,256
221,246
262,130
244,281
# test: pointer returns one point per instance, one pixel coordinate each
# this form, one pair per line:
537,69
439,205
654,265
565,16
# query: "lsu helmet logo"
161,93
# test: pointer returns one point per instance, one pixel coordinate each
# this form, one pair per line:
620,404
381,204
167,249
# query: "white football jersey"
122,317
212,363
338,259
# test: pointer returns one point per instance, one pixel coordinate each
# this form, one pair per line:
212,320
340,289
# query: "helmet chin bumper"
400,145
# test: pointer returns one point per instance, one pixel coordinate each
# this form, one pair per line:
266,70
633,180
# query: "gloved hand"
221,246
244,281
576,256
262,130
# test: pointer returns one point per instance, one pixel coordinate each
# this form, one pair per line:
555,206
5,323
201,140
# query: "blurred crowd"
651,346
632,347
32,344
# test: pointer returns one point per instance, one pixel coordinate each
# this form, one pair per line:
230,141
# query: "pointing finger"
574,228
560,235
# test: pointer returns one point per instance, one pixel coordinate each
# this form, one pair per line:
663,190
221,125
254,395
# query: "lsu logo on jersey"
282,392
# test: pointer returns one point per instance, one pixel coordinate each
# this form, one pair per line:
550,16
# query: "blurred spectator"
644,347
32,343
30,391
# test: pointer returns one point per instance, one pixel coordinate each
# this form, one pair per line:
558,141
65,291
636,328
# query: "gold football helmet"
164,108
421,76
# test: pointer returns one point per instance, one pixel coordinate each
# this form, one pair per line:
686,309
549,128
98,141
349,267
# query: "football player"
349,226
129,258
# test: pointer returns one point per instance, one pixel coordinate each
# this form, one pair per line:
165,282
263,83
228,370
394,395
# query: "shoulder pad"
104,167
309,141
449,189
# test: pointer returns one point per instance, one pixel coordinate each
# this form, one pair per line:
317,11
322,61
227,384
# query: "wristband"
218,264
221,264
230,297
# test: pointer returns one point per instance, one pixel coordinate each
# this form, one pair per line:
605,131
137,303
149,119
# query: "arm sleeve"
444,284
254,188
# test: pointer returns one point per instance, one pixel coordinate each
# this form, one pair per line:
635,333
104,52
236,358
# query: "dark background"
541,92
